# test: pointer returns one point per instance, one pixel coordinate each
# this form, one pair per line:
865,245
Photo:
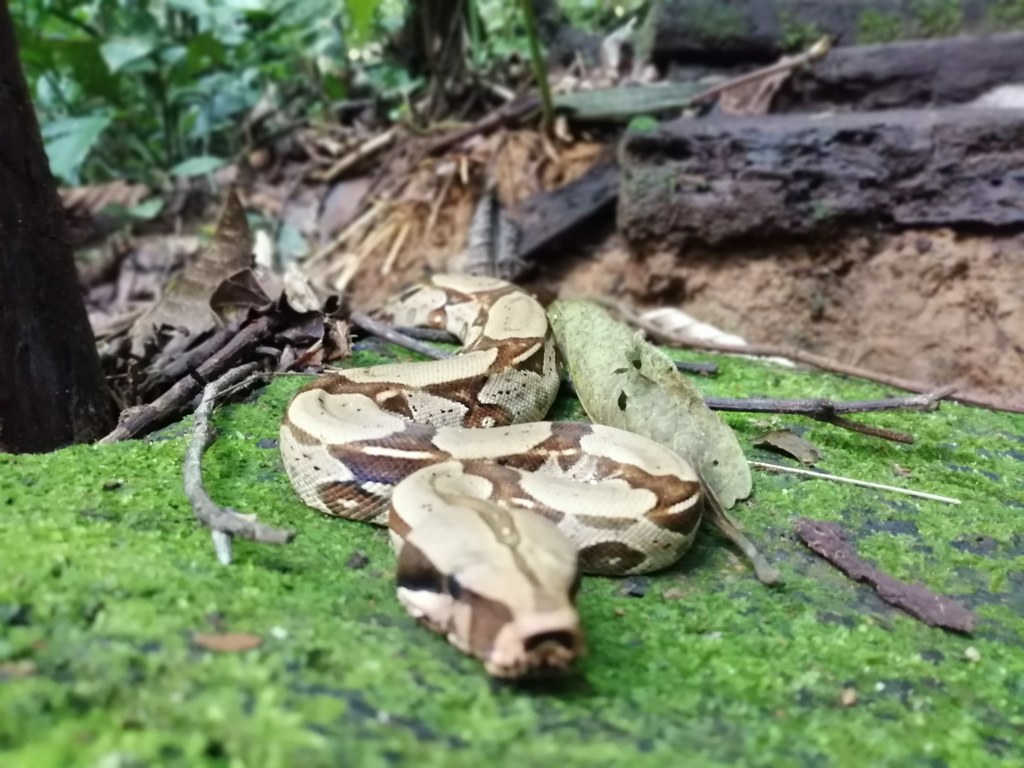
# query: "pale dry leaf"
685,326
185,304
790,443
298,292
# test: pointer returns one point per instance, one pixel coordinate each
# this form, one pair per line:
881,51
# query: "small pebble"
972,654
279,633
619,611
266,442
634,586
848,697
673,593
112,485
357,560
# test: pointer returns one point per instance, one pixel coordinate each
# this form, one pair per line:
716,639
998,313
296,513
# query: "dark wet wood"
915,73
736,178
52,389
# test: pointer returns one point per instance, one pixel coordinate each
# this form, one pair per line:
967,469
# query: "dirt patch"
936,306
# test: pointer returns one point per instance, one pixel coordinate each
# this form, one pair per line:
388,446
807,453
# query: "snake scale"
493,513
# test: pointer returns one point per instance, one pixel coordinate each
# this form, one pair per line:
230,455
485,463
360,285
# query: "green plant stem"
539,70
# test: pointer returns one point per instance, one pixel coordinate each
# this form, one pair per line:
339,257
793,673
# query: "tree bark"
717,180
916,73
52,389
735,31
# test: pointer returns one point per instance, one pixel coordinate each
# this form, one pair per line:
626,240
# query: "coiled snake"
493,514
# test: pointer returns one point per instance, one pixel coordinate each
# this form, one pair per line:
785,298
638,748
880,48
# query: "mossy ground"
104,577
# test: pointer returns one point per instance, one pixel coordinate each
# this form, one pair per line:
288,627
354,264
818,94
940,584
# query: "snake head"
505,595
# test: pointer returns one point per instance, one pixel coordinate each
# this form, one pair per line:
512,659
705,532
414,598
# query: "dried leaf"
827,539
185,305
16,669
298,292
229,642
790,443
237,295
626,382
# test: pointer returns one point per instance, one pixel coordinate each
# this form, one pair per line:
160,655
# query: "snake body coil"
493,514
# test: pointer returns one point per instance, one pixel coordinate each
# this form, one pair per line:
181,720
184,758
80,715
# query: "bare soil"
934,306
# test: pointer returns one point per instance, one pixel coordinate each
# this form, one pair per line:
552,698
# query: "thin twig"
389,333
800,356
828,411
168,404
365,150
816,51
223,522
851,481
506,113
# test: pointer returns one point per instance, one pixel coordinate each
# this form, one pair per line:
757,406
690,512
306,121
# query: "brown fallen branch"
364,151
799,356
171,402
503,115
180,365
828,411
827,540
390,333
223,522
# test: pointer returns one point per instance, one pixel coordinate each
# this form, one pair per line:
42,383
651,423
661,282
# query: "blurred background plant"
139,89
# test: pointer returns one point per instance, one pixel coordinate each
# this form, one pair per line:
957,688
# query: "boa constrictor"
493,514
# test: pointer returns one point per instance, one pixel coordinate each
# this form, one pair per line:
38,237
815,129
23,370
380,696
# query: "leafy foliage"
126,87
141,88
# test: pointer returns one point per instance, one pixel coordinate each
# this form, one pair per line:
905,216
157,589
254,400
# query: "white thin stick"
851,481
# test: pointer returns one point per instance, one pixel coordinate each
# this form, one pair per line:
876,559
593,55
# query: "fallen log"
547,218
724,179
735,31
916,73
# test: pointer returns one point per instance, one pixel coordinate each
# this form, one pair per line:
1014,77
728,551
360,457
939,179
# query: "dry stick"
827,411
800,356
365,150
223,522
389,333
504,114
180,366
186,387
851,481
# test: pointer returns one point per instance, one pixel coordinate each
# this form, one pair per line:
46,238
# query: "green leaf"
147,209
626,382
360,13
197,166
69,141
119,52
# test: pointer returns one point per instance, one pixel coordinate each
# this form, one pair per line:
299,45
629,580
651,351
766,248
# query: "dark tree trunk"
735,31
52,390
915,73
718,180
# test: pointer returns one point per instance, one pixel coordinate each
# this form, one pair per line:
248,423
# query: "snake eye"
453,587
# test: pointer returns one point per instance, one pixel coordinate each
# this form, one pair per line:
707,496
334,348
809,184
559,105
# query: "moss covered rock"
107,587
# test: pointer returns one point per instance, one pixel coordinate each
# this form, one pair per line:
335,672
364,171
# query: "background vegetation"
139,89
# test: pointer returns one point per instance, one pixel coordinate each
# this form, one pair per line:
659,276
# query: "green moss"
105,576
938,18
798,34
875,26
713,21
1005,14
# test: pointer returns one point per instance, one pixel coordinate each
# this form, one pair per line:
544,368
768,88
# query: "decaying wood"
760,30
913,73
548,217
52,391
725,179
